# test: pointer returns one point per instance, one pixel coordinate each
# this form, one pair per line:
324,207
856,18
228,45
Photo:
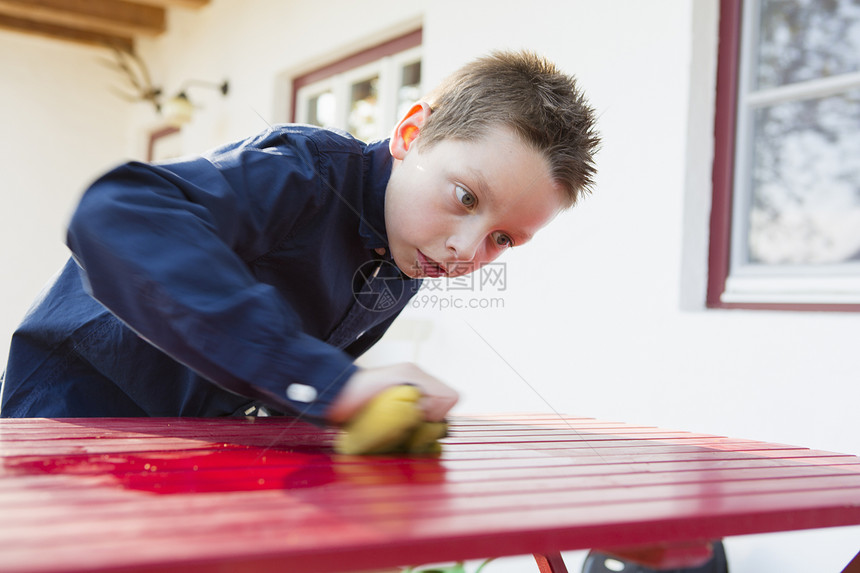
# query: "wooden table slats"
269,494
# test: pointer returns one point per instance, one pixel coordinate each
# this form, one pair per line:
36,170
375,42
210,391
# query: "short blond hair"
528,94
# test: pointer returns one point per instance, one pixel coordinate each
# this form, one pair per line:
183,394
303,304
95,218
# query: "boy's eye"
465,197
502,240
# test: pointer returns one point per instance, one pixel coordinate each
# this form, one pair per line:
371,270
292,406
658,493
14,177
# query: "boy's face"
458,205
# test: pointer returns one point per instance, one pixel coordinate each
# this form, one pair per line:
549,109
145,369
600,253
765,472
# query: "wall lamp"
177,111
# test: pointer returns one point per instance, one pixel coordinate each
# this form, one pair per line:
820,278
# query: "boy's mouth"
430,268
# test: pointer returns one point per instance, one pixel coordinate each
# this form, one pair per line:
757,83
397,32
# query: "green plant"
458,567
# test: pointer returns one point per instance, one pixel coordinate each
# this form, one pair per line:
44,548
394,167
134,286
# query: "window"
364,94
785,222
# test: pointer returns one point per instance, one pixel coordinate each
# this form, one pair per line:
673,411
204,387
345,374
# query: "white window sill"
785,289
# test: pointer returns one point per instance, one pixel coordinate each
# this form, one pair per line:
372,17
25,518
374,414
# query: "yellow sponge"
391,423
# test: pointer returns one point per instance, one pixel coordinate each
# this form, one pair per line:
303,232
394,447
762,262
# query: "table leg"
854,566
550,563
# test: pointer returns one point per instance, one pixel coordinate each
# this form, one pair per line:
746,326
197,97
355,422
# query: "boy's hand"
389,409
391,423
437,398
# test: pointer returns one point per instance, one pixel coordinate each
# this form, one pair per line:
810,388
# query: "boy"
249,279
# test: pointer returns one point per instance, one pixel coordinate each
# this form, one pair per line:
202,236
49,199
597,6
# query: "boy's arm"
436,399
164,248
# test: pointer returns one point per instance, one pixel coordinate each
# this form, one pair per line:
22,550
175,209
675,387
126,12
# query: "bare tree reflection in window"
805,204
321,109
410,87
363,121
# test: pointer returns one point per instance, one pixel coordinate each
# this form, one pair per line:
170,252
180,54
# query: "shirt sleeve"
164,248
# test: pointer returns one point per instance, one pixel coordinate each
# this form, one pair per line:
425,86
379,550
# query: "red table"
268,494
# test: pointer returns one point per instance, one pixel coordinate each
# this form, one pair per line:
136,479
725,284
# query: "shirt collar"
377,172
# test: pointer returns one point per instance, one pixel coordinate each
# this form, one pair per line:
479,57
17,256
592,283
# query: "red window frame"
723,170
391,47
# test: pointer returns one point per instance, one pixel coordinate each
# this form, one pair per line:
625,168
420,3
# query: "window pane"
321,109
409,90
363,120
805,206
802,40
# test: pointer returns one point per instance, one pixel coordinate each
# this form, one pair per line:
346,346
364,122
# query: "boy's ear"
408,129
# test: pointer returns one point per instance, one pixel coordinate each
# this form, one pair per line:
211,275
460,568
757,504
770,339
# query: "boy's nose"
464,244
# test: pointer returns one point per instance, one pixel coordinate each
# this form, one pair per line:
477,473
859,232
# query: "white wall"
60,128
603,313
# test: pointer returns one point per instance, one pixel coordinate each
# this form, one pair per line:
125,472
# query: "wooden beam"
112,17
66,34
175,3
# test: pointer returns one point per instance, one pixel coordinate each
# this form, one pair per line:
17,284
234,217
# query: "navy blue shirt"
211,285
